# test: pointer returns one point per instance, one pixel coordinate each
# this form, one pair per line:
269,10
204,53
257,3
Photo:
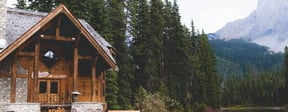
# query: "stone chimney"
3,11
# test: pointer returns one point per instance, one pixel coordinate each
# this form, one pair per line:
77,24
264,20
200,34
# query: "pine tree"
177,52
198,85
42,5
118,28
99,18
78,8
21,4
286,72
112,90
153,49
208,64
139,47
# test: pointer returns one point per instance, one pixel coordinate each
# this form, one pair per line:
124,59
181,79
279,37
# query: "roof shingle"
20,21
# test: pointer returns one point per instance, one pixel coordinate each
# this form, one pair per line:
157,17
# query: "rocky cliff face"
267,25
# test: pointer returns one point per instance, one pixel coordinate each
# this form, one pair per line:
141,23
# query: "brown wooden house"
48,56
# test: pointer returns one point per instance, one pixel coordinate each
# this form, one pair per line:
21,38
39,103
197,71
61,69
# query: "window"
49,58
48,87
54,87
42,87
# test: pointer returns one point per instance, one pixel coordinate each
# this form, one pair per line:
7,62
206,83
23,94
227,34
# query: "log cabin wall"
14,88
23,69
81,58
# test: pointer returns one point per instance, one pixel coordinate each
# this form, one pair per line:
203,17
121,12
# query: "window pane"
43,87
54,87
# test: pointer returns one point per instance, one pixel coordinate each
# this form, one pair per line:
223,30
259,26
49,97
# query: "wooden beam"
13,80
58,27
35,71
30,80
60,38
57,33
22,76
22,53
75,69
104,86
85,57
93,73
77,41
101,86
112,51
5,75
21,47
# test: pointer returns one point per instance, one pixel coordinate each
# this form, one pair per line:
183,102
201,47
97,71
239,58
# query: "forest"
163,64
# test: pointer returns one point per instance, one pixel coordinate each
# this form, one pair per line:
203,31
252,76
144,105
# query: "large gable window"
49,58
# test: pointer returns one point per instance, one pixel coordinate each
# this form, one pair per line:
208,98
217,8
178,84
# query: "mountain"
267,26
236,56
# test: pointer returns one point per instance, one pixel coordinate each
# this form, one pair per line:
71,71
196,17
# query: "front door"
49,91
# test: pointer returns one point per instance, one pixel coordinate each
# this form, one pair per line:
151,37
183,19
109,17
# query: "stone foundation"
21,90
20,107
5,90
86,107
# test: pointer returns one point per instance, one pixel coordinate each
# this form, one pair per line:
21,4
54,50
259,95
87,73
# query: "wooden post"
102,86
30,83
93,74
99,83
75,69
35,72
58,27
13,80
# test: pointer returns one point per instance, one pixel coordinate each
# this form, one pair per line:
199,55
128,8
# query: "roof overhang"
58,10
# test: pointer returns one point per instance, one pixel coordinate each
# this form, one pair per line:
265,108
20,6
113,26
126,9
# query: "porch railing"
55,99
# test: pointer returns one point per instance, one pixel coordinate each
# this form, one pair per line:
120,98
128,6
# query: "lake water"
256,111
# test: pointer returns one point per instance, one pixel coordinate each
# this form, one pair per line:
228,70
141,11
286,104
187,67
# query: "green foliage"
21,4
153,46
141,93
210,78
153,103
286,72
112,90
100,18
42,5
245,55
140,46
254,89
117,31
155,54
156,102
200,107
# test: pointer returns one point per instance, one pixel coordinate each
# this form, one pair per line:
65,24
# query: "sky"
209,15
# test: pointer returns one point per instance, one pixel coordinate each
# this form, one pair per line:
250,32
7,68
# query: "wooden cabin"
45,57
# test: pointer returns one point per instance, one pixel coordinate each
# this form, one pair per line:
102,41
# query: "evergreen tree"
112,90
21,4
153,49
178,57
99,18
141,33
118,28
79,8
42,5
286,72
208,67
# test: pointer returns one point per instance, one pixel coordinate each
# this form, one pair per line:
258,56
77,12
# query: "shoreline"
251,108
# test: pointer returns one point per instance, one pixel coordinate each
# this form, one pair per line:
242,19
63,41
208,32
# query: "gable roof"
22,24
